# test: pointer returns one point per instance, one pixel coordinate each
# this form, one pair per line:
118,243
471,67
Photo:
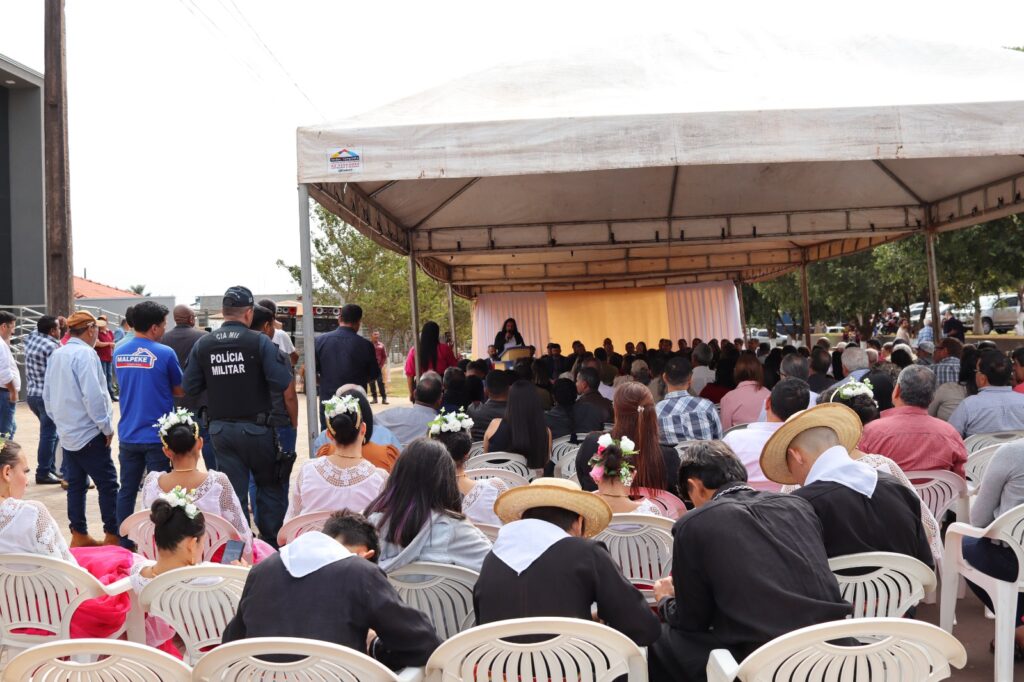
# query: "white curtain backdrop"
491,310
709,311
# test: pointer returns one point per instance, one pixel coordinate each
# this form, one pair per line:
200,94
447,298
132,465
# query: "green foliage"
138,289
352,268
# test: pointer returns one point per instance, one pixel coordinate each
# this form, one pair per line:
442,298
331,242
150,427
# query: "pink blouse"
445,359
742,405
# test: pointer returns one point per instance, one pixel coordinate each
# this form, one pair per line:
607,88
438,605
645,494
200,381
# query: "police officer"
238,368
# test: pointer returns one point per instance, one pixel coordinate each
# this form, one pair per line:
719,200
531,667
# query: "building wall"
117,306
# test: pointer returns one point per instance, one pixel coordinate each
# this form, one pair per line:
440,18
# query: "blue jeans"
108,372
92,461
209,452
286,437
7,425
46,454
136,459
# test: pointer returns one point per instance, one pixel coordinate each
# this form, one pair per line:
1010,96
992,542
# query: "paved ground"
973,629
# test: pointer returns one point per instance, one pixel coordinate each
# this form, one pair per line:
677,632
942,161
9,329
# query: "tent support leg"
805,295
415,312
308,341
743,309
933,283
451,319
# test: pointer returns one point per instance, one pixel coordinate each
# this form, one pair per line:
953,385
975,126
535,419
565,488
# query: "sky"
182,113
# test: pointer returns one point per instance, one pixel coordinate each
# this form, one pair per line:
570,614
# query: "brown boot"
111,539
82,540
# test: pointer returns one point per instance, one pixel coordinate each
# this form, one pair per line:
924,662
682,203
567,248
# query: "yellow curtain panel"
621,314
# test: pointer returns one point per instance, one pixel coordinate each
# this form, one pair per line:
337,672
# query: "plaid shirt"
947,371
37,353
684,417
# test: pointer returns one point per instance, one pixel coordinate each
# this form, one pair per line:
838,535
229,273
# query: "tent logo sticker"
345,161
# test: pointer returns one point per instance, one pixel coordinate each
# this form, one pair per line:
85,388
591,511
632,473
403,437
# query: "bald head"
184,315
804,450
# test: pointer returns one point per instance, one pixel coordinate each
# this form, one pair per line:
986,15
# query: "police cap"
238,297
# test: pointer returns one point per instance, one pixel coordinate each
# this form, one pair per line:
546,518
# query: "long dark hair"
524,418
968,367
642,429
421,483
430,337
564,392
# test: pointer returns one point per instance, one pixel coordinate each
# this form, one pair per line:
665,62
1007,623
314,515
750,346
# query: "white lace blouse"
213,496
323,486
478,503
26,527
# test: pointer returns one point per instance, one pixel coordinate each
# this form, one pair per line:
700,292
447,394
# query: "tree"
138,289
349,267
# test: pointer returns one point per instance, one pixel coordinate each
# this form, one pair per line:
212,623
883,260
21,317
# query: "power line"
277,61
210,23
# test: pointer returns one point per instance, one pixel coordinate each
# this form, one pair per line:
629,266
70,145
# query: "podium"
509,356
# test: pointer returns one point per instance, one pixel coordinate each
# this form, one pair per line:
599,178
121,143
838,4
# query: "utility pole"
59,289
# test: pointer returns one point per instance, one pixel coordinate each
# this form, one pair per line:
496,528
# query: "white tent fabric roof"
679,159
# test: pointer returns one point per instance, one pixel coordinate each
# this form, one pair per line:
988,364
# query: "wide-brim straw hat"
835,416
555,492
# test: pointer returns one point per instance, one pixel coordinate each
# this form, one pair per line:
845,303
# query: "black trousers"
374,385
244,448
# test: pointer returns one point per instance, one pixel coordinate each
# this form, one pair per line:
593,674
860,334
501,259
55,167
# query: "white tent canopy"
675,160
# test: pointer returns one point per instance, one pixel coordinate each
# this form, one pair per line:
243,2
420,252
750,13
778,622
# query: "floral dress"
478,503
324,486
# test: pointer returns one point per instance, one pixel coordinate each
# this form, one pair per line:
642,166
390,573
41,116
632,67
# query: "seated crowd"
795,456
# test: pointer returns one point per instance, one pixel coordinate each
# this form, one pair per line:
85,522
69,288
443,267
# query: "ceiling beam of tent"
386,186
899,182
978,204
440,207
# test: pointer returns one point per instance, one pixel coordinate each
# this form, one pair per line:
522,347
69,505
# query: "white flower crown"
178,416
180,498
450,422
852,389
346,404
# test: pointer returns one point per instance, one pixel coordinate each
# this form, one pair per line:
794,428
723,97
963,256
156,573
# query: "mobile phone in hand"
232,551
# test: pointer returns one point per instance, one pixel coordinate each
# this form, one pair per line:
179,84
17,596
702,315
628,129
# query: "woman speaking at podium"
508,336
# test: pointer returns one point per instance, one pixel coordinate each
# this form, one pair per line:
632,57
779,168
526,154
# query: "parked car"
1001,314
916,308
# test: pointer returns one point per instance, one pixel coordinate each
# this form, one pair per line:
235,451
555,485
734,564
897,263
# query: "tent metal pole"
743,309
805,295
308,340
414,310
451,318
933,283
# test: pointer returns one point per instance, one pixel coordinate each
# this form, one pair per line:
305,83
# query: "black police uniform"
238,368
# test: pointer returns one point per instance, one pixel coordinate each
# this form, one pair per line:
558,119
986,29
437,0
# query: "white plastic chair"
487,529
896,583
139,529
896,649
567,438
198,602
1009,529
508,461
669,505
567,468
983,440
303,523
942,491
576,650
562,452
477,448
62,662
321,661
977,463
43,593
442,591
510,478
641,546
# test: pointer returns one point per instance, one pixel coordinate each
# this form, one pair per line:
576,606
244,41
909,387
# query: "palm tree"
139,289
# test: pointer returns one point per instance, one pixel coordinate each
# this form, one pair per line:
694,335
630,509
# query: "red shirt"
915,441
1019,388
106,354
382,353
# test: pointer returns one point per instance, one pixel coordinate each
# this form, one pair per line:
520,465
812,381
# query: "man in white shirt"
281,338
788,397
10,377
702,373
794,366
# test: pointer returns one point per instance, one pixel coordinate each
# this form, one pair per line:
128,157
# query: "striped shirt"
38,348
683,417
947,371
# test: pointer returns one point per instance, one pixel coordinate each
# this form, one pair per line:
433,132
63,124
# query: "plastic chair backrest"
510,478
303,523
896,649
939,490
509,461
1009,528
198,602
562,451
977,462
983,440
442,591
670,505
42,593
490,531
139,529
61,662
320,661
641,546
574,650
894,583
477,448
567,468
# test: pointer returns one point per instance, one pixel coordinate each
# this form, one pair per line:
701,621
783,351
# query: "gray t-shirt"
1002,486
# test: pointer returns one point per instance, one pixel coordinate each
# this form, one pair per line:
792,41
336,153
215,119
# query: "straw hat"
81,318
555,492
835,416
